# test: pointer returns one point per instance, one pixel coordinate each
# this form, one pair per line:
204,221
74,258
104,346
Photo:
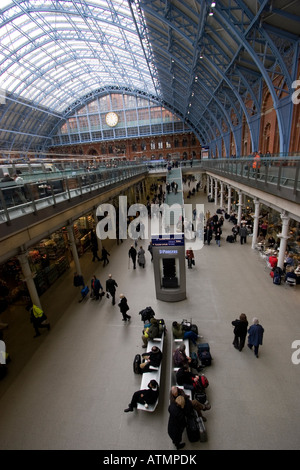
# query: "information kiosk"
169,267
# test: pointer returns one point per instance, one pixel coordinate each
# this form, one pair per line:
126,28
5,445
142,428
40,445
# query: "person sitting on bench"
152,358
145,397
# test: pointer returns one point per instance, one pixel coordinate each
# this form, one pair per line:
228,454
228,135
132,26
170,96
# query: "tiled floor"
68,388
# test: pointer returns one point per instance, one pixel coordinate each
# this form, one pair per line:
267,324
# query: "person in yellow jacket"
38,319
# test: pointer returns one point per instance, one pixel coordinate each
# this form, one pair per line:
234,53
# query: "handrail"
44,189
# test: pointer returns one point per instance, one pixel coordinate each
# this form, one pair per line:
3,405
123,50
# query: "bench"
153,374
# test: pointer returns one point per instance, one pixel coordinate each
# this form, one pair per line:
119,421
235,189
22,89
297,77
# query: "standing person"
243,234
104,258
95,287
240,331
255,338
94,249
123,305
38,319
150,249
190,258
218,236
256,164
177,421
132,254
141,257
111,288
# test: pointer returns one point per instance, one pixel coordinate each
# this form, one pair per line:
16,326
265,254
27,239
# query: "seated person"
179,356
144,397
189,380
180,333
150,332
289,260
177,330
271,242
291,275
152,358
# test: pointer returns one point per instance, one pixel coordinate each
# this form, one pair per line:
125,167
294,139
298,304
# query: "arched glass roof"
54,51
206,61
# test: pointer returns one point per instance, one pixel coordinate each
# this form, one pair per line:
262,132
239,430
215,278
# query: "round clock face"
111,119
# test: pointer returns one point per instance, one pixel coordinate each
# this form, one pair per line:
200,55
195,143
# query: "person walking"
94,249
141,257
104,258
240,331
132,254
111,288
255,336
190,258
95,287
123,305
38,319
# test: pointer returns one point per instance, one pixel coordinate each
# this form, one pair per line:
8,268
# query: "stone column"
216,192
28,277
229,200
74,249
222,194
284,236
256,219
240,203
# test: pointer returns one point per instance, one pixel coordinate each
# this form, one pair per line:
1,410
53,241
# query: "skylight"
53,52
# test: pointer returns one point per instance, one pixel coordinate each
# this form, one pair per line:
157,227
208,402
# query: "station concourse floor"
68,388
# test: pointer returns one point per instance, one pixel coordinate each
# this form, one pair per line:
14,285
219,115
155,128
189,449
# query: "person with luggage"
255,336
199,407
95,288
240,331
177,421
111,286
152,358
145,397
123,305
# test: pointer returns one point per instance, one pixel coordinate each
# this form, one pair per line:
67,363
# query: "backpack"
277,279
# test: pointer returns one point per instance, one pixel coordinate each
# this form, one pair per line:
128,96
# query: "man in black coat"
111,288
147,396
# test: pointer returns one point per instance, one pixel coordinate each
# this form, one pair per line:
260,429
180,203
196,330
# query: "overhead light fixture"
211,13
213,4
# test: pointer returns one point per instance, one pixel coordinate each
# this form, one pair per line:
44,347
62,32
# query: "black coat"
123,305
240,328
176,423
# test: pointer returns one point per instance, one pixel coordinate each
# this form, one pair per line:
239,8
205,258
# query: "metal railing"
39,190
276,175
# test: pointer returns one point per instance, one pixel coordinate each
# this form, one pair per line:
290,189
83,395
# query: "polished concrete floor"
68,388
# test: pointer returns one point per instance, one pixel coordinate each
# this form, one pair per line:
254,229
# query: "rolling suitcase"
202,429
192,427
204,354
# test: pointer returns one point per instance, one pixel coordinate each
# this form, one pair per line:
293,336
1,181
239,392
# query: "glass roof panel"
51,51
